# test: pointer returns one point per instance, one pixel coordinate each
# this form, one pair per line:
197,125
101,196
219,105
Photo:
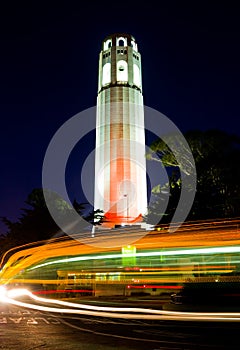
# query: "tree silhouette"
36,223
217,159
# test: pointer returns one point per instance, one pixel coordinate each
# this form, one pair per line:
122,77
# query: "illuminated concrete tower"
120,165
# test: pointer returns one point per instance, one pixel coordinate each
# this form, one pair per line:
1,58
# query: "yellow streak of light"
190,236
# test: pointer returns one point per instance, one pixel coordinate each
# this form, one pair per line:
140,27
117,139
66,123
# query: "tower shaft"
120,165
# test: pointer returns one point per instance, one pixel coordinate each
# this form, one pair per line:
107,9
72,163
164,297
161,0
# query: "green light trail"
198,251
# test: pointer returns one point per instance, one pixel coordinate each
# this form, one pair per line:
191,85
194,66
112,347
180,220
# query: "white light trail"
3,292
136,313
211,250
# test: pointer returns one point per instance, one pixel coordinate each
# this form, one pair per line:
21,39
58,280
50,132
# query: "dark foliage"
217,160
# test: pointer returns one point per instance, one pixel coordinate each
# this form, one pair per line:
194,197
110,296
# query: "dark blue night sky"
49,69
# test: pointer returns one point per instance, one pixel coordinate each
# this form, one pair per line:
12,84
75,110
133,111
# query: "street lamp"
125,195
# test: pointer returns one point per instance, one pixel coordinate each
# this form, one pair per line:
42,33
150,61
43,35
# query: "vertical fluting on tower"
120,165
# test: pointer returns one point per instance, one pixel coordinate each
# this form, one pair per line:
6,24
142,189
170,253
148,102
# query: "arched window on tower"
122,71
136,75
106,74
121,41
107,44
134,46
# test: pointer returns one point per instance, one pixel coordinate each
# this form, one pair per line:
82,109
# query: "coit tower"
120,164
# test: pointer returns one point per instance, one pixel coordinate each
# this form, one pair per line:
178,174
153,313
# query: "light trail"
3,292
211,250
198,253
113,312
199,235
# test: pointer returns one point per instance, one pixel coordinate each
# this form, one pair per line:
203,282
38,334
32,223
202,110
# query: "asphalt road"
22,329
